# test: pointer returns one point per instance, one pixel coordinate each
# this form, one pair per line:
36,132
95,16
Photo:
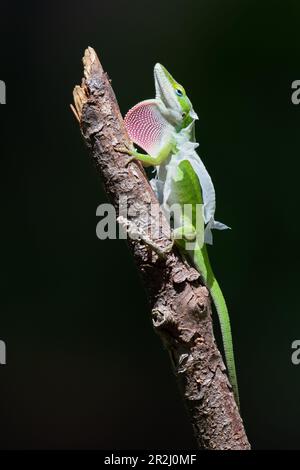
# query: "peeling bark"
180,303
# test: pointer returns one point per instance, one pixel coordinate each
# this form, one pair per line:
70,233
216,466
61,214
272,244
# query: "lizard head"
177,107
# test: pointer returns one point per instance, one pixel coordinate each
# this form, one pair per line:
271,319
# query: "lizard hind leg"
184,235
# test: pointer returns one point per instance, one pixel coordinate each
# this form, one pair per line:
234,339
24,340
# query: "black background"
84,368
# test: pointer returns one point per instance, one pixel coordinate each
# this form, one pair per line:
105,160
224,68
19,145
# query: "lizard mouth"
164,88
165,92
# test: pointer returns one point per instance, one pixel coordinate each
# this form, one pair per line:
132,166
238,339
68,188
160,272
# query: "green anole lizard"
164,128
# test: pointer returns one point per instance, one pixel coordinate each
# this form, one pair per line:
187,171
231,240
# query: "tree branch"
180,303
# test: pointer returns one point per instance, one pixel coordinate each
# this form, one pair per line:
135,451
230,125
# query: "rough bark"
180,303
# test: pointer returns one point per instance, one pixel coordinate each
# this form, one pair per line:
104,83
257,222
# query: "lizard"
164,127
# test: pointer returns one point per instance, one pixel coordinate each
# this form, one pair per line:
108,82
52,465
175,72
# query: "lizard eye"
178,92
183,115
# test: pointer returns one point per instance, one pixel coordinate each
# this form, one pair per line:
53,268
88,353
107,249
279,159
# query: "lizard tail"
202,264
223,315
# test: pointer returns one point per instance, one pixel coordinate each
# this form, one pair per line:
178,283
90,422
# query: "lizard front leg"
146,159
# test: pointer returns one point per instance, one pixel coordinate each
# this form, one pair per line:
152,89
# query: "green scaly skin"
202,263
187,190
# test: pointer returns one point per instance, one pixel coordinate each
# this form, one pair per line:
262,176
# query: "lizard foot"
128,151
